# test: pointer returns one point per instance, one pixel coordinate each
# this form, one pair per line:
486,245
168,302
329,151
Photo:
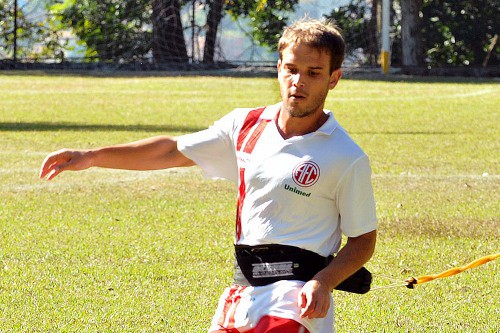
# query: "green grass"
119,251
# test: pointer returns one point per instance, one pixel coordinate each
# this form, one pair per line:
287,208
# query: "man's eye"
291,70
313,73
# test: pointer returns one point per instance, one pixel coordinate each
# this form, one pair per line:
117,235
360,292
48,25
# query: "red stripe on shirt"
252,141
239,205
250,121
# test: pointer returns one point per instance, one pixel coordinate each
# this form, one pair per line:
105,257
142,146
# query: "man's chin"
297,112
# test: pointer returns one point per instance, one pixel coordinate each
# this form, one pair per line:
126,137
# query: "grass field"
118,251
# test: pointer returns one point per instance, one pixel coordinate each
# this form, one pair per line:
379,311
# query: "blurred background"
424,35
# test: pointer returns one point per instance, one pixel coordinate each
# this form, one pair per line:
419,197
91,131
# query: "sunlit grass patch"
107,250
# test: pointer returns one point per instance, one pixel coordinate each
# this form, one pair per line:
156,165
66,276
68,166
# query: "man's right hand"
154,153
63,160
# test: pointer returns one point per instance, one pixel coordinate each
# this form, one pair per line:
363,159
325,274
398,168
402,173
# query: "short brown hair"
317,34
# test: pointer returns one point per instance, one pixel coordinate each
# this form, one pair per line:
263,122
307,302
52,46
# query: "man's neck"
289,126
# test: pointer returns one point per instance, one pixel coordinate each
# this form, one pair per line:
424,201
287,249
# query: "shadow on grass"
64,126
75,127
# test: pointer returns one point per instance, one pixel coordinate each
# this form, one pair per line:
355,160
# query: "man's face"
305,79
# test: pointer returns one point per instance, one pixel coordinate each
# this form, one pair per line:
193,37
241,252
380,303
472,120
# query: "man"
302,183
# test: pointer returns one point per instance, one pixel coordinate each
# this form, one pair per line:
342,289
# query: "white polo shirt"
304,191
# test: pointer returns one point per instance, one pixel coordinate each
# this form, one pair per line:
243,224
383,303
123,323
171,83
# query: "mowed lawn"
121,251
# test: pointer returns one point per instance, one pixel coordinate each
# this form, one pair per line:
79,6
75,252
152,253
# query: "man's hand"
314,300
63,160
159,152
314,297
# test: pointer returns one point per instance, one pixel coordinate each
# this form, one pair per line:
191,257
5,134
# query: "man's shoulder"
345,144
266,109
260,112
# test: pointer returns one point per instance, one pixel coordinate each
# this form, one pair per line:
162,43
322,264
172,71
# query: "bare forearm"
148,154
356,252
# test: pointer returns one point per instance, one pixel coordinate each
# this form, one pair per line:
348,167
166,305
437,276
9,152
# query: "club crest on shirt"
306,173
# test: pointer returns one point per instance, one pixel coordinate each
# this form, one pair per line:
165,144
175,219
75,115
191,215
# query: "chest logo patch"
306,174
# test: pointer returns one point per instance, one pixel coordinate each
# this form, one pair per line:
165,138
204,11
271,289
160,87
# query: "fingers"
315,309
52,171
306,306
48,166
314,301
60,161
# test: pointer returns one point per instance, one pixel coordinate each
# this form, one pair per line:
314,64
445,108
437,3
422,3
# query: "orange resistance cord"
411,282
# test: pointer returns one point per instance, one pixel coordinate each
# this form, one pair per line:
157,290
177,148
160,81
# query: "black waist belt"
265,264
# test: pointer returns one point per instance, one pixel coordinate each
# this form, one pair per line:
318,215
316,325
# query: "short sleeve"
356,201
212,149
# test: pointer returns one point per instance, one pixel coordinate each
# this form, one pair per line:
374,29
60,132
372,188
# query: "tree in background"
129,29
460,32
168,43
424,32
109,30
358,21
267,18
411,37
427,32
214,18
17,36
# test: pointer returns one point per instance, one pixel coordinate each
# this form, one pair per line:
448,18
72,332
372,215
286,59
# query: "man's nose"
298,79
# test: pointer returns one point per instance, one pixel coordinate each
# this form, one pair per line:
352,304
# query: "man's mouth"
296,96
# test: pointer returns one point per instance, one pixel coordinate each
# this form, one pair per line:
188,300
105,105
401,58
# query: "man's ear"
335,78
278,67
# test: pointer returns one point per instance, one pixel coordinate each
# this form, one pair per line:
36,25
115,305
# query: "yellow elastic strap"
426,278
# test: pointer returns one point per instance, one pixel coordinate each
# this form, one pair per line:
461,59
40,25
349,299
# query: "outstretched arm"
149,154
